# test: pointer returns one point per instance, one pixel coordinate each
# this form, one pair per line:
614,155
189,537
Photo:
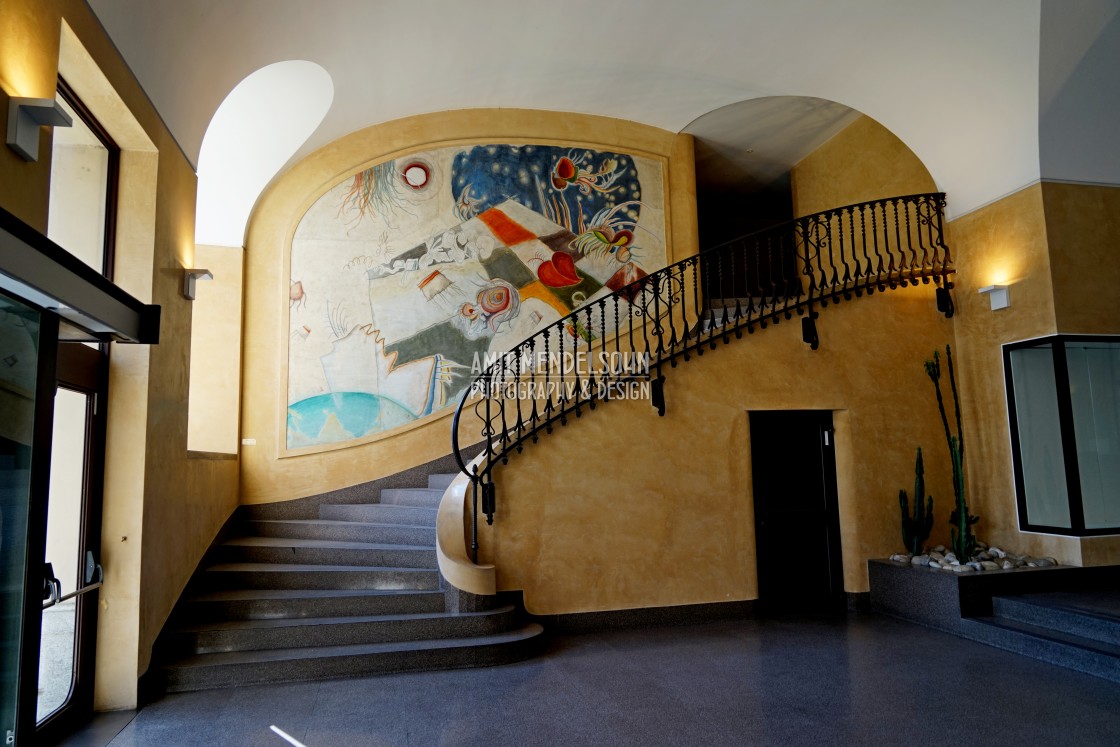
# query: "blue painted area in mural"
543,177
357,413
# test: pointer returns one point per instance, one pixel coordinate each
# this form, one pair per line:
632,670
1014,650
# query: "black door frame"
827,456
83,369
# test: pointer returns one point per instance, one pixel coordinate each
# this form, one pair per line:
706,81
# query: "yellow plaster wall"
1083,234
1004,242
623,509
265,476
161,509
216,352
864,161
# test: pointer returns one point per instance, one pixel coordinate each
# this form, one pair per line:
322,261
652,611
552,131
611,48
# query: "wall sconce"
999,296
190,277
25,117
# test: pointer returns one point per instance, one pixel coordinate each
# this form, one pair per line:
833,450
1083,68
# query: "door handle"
54,595
52,587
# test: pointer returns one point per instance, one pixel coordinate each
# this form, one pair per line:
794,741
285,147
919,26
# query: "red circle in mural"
416,174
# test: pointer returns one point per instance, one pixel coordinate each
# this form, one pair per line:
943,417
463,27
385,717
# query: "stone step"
238,668
1074,652
415,497
441,482
376,513
346,531
258,635
301,576
270,604
324,552
1086,615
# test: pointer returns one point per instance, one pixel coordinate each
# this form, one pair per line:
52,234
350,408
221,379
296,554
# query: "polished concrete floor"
860,680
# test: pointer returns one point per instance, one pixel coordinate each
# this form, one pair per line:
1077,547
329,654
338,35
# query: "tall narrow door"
68,629
797,527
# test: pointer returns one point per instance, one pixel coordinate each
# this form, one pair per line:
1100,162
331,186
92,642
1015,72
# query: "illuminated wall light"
999,296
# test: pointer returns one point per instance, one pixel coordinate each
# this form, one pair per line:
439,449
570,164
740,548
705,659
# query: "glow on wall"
407,272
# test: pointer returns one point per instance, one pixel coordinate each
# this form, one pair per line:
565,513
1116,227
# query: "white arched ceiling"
956,80
255,131
750,145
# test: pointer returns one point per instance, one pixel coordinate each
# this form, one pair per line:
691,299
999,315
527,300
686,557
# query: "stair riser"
1052,652
1066,621
340,634
363,579
328,556
380,514
440,482
411,497
348,533
306,670
271,609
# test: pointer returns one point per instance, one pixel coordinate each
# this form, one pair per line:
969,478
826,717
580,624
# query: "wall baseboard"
646,617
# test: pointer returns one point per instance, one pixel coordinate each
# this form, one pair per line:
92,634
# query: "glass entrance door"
66,644
19,382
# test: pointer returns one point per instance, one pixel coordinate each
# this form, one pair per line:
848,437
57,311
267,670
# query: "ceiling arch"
956,80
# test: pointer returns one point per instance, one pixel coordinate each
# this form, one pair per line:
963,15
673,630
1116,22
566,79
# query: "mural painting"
405,273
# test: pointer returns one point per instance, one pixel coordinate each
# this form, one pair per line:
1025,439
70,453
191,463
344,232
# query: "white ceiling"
956,80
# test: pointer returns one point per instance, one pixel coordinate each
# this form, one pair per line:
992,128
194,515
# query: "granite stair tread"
352,592
339,523
257,541
1100,604
382,513
1077,614
300,567
530,630
442,481
237,595
296,622
1049,645
414,497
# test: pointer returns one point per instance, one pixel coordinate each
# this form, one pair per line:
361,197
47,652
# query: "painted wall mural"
406,271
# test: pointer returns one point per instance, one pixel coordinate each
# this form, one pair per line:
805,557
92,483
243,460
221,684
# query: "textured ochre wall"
216,352
161,509
265,476
623,509
864,161
1083,234
1004,242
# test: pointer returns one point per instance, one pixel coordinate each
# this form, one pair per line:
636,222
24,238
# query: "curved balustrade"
620,344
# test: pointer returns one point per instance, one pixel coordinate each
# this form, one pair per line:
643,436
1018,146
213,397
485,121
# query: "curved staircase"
352,589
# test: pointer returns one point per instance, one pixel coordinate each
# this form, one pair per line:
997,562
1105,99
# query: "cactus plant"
963,540
916,528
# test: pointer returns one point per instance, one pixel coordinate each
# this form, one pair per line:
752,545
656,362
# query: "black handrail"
683,308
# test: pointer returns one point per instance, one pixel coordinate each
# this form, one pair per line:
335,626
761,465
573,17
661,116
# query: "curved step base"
234,669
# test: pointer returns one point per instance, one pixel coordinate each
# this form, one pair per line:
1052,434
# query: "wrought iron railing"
622,343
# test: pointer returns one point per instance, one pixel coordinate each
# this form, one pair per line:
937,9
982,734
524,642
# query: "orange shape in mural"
509,231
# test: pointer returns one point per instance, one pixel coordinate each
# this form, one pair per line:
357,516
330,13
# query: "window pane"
64,548
19,363
1094,378
1040,437
79,175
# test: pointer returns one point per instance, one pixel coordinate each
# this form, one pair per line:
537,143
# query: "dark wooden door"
797,525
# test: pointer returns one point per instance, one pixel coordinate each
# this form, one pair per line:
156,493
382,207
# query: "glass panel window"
83,186
19,365
1063,395
64,547
1040,436
1094,384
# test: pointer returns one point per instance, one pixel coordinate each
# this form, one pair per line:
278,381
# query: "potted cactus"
963,540
916,527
